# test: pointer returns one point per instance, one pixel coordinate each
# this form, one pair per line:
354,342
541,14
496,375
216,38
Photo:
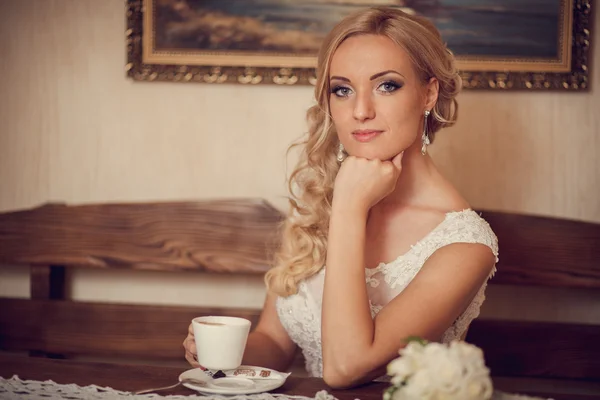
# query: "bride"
378,245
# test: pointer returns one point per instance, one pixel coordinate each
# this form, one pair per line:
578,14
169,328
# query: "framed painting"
498,44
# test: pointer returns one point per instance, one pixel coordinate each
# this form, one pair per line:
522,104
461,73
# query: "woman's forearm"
347,326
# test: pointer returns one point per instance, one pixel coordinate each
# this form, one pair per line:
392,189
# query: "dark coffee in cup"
211,323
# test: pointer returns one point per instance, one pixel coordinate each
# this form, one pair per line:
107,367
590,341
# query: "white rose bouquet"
436,371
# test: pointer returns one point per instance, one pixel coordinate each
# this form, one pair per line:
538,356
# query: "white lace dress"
300,313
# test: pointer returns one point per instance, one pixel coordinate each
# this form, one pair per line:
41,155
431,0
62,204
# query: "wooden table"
137,377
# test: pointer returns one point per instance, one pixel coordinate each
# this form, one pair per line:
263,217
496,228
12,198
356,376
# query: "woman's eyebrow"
377,75
389,71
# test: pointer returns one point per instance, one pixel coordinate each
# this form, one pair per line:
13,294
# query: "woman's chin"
376,155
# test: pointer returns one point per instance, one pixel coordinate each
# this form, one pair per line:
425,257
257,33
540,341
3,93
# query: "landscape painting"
275,38
506,28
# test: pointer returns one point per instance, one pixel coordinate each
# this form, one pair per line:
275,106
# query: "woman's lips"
366,135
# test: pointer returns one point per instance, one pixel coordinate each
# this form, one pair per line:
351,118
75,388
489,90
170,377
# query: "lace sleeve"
458,227
468,227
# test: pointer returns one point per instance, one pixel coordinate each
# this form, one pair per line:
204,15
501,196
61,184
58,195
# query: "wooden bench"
228,237
237,237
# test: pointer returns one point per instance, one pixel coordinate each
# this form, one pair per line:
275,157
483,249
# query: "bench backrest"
238,237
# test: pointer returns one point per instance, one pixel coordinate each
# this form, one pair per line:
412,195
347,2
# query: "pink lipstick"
365,135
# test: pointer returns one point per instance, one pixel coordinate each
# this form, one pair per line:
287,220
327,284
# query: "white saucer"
231,385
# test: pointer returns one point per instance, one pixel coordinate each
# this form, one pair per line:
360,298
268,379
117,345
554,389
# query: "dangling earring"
425,137
341,153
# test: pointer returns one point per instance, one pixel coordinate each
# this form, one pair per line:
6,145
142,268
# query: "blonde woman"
378,245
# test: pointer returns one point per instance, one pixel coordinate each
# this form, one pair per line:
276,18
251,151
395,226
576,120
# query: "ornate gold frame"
569,72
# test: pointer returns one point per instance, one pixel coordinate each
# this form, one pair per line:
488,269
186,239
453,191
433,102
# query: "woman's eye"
389,86
341,91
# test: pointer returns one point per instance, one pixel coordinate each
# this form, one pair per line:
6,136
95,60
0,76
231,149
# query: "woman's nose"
363,107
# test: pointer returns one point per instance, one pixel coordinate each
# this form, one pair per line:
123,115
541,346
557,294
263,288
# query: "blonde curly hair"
303,248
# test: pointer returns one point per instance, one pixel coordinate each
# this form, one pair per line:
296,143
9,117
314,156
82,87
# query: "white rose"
469,354
419,386
434,351
447,396
470,357
441,372
479,389
400,369
447,374
413,351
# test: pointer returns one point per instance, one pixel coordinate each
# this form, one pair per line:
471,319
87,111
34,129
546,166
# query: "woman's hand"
363,183
189,344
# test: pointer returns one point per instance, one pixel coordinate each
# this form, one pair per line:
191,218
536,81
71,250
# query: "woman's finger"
191,359
191,347
397,160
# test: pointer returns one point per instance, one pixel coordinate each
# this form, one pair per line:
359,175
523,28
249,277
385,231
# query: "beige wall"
73,128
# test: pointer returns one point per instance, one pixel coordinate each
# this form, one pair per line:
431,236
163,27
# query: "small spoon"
184,380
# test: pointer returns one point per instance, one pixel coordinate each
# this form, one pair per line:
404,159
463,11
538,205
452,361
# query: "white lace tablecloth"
16,388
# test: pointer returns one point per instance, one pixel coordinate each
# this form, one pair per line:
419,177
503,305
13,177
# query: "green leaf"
389,392
417,339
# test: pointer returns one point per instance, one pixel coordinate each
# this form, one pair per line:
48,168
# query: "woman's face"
377,101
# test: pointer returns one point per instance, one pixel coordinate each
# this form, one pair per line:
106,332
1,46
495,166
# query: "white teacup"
220,341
